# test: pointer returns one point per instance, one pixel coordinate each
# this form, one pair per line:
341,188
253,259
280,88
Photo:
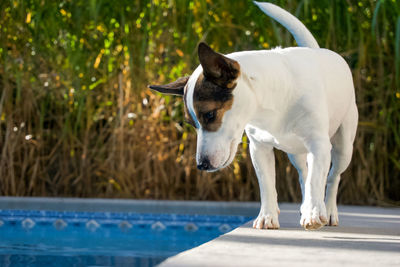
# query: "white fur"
300,100
304,100
189,94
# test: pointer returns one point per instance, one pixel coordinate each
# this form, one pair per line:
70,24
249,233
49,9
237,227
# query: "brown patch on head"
218,68
212,95
210,102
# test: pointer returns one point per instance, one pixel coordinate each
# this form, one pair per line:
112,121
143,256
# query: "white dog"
299,100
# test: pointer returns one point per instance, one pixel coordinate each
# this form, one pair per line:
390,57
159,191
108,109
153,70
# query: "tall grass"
76,118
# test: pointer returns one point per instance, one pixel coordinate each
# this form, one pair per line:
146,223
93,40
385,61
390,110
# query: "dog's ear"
217,67
174,88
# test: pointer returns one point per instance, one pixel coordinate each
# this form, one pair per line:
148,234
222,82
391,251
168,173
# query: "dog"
300,100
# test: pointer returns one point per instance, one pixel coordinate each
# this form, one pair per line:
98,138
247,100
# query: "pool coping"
131,205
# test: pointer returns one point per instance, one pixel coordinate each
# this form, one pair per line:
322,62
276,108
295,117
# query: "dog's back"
298,67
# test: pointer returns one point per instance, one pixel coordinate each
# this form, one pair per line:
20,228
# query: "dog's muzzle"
204,163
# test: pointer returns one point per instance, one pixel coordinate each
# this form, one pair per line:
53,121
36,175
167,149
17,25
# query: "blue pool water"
49,238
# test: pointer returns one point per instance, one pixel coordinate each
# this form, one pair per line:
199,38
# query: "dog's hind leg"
263,159
342,149
300,163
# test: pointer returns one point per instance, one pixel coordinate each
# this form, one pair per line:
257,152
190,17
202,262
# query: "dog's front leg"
263,159
313,210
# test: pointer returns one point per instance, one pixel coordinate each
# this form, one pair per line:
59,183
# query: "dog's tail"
301,34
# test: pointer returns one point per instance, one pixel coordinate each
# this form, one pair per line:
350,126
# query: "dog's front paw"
267,220
331,211
313,216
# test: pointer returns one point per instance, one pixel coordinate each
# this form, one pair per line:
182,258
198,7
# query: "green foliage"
77,119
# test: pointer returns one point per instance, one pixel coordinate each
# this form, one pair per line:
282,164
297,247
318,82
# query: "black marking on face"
210,102
212,95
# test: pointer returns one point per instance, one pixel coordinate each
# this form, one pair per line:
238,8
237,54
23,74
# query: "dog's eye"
209,116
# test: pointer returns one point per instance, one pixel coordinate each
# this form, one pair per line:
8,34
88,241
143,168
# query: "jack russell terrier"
300,100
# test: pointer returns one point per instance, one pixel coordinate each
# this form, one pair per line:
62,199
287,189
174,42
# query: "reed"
76,118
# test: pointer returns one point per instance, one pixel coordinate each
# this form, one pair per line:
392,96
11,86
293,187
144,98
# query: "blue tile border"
28,219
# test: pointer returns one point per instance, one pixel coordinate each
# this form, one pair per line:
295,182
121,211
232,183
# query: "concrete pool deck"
366,236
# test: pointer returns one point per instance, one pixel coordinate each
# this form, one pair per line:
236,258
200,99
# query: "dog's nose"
204,164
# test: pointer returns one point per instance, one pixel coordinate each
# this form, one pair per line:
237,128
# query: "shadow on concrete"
328,242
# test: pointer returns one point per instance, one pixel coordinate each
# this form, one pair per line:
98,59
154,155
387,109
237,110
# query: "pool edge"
131,205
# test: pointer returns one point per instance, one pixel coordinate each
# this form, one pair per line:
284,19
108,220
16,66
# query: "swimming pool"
68,238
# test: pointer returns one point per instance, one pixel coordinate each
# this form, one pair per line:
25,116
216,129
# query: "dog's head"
211,96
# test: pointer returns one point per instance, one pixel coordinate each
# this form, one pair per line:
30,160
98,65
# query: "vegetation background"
76,117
